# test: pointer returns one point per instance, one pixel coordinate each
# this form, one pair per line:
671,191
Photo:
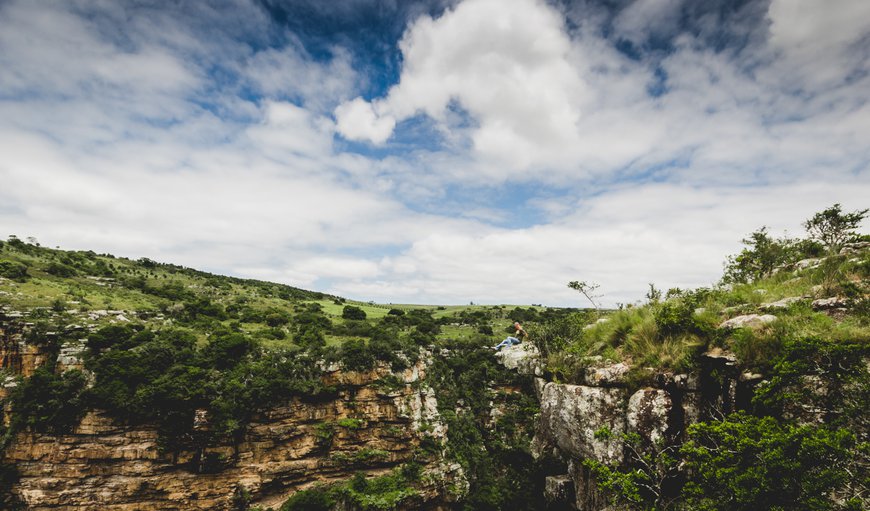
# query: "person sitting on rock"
514,339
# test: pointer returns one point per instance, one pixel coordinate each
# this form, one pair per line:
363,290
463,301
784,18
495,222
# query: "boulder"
572,415
748,321
524,358
805,264
834,302
607,375
780,304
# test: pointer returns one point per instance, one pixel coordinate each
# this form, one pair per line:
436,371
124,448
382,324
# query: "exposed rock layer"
107,466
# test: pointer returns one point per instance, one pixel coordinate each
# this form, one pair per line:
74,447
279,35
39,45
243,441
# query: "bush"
745,463
315,499
355,355
61,270
764,253
353,313
47,402
13,270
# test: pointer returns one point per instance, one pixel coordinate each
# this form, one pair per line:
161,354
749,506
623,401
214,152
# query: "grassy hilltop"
100,289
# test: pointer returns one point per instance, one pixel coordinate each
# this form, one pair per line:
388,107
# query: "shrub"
745,463
315,499
353,313
47,402
13,270
61,270
764,253
833,228
355,355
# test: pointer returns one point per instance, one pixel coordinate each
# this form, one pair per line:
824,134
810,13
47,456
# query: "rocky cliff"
592,420
367,426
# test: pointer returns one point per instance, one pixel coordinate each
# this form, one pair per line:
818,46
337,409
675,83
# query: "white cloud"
115,138
506,63
672,236
290,72
820,42
644,18
357,120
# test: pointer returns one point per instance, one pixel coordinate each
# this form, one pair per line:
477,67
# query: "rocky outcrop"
592,421
112,467
16,355
523,357
748,321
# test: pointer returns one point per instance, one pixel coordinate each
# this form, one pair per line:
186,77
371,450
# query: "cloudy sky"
432,151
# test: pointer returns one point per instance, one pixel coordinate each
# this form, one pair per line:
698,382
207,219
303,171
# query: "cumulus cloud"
505,63
217,145
357,120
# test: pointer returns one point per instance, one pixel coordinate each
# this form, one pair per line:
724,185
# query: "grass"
668,335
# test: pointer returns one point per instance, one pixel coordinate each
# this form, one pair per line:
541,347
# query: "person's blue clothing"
510,341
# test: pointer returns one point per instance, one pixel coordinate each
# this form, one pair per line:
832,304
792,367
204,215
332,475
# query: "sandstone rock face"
106,466
16,356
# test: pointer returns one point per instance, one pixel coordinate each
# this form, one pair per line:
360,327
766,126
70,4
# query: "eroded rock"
748,321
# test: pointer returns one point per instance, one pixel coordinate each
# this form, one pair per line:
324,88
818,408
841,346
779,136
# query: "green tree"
13,270
47,402
646,481
746,463
758,260
354,313
833,228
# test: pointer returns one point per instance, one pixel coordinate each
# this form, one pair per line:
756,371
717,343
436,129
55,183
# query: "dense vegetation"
802,444
164,341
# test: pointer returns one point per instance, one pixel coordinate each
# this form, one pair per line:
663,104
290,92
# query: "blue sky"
433,151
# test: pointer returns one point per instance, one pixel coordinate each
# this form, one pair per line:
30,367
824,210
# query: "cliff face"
590,421
369,426
366,427
17,356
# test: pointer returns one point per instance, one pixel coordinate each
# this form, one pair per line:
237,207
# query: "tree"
586,289
764,253
833,228
745,463
351,312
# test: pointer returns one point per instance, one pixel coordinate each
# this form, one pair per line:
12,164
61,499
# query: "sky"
432,151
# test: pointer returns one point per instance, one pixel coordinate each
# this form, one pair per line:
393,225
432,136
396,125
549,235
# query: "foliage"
648,480
832,227
762,255
749,463
587,289
828,376
13,270
351,312
47,402
381,493
495,457
162,377
316,499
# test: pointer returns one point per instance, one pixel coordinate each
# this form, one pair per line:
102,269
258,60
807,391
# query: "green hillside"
790,320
